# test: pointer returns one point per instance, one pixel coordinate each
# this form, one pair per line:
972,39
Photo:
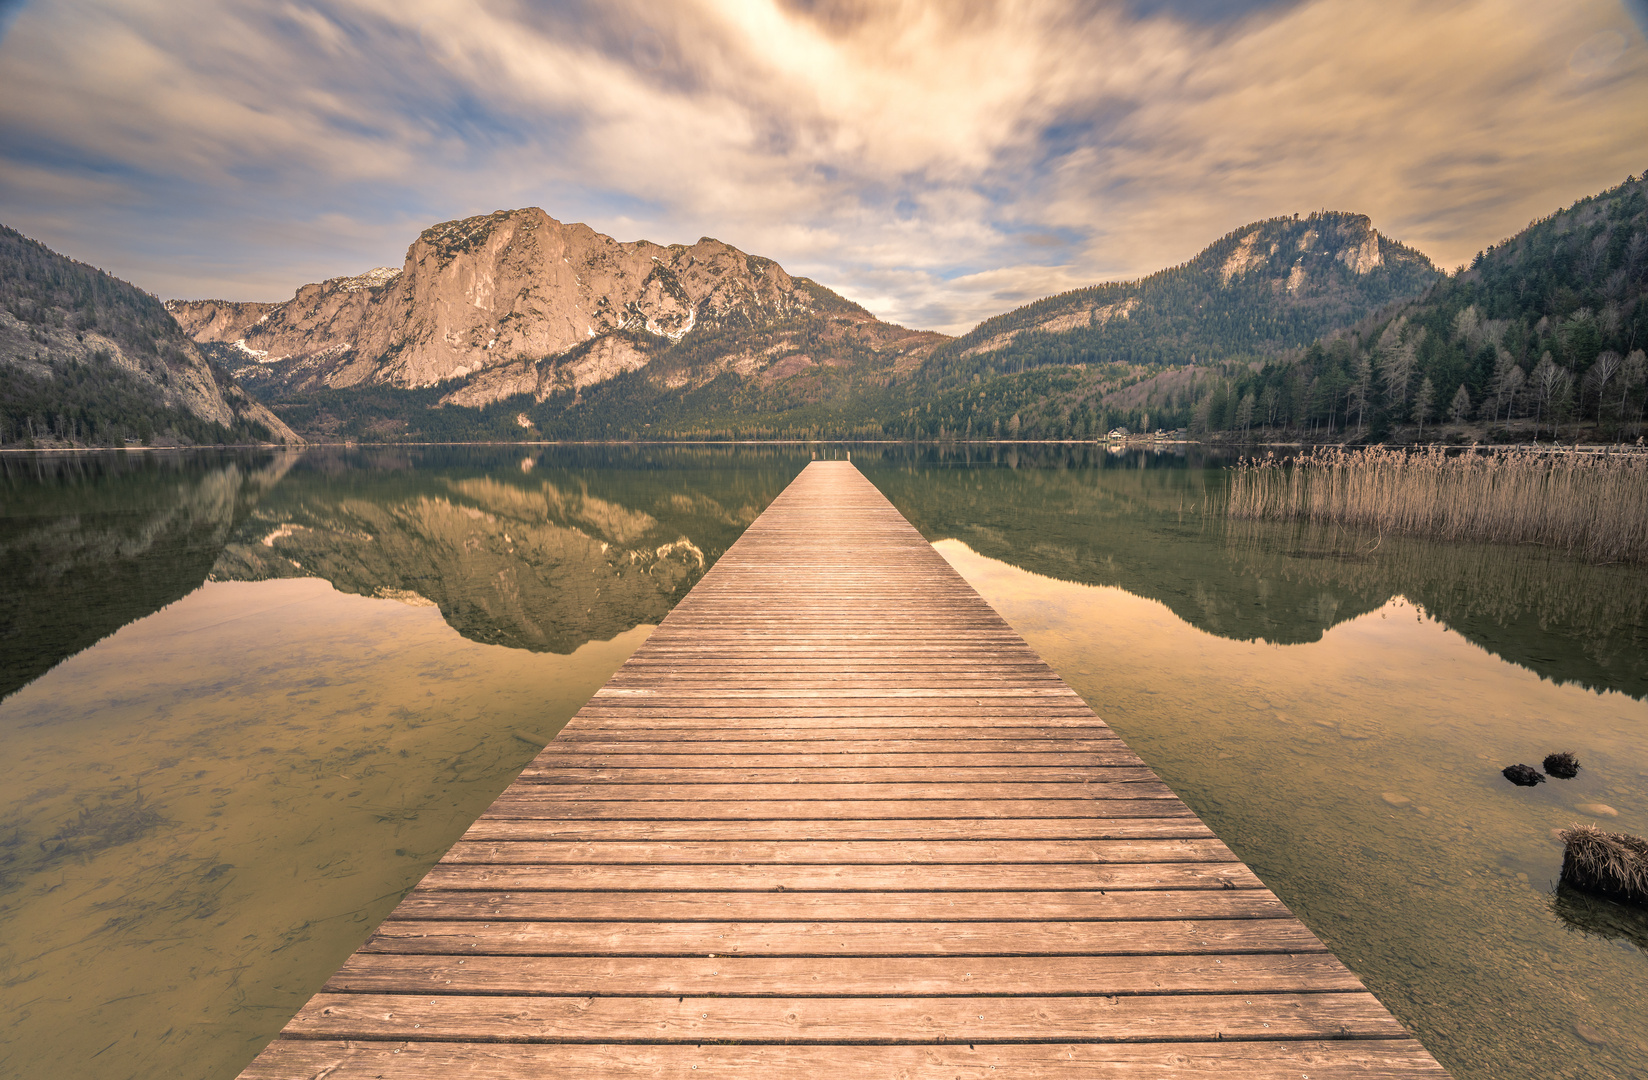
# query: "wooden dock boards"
836,815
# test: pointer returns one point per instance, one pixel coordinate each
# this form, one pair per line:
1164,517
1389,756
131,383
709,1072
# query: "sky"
938,161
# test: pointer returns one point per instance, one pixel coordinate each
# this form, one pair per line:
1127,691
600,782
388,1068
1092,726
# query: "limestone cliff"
515,303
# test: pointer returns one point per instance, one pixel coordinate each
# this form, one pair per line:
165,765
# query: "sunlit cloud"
937,161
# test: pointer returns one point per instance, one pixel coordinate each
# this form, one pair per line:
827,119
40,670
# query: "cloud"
937,160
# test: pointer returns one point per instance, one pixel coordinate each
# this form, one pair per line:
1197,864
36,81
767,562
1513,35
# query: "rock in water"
1596,809
1523,775
1562,766
1590,1034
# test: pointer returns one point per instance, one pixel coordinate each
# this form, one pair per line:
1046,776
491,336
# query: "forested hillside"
87,359
1543,335
1265,287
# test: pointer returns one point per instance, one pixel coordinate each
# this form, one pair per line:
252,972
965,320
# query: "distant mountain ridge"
517,303
87,358
1268,286
514,325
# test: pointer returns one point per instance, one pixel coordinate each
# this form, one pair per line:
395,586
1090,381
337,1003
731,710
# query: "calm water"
249,700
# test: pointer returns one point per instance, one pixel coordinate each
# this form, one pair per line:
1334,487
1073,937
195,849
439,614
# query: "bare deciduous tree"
1601,374
1361,387
1546,377
1459,410
1396,365
1468,325
1267,403
1423,406
1503,386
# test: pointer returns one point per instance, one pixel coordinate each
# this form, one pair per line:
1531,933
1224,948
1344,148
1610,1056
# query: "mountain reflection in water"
89,543
545,554
535,551
1154,525
549,551
228,753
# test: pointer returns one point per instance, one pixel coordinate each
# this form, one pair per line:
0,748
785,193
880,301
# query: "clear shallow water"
251,699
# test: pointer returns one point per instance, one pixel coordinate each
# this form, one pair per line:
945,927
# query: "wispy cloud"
938,161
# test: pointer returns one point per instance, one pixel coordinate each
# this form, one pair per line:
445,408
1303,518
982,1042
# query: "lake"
249,698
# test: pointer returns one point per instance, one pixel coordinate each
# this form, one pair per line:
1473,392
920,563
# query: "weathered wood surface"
836,817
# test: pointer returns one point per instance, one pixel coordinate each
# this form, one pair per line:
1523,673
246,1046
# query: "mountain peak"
1269,285
493,303
1303,245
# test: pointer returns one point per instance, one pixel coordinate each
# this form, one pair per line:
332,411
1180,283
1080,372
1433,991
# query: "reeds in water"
1591,505
1608,864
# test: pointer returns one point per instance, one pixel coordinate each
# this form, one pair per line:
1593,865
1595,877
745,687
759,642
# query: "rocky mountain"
516,303
1268,286
540,554
527,328
86,358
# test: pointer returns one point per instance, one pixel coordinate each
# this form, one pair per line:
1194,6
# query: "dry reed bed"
1608,864
1591,505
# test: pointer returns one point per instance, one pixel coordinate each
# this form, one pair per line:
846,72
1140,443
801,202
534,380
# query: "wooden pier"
836,819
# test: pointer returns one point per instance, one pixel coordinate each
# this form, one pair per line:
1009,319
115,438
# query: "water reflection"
1593,916
1153,524
89,543
309,676
542,552
314,671
206,812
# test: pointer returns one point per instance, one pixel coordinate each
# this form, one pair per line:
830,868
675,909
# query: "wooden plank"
1143,786
751,853
786,741
835,811
906,1019
737,771
863,767
437,904
521,803
919,976
572,749
743,718
640,938
1381,1059
524,802
1184,825
856,878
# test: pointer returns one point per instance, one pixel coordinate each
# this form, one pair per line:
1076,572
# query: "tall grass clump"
1608,864
1591,505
